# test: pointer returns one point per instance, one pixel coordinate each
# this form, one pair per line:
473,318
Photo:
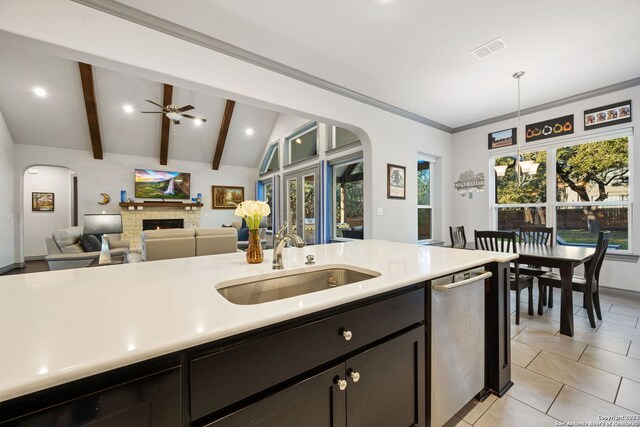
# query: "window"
348,190
424,200
522,200
303,144
265,193
587,191
271,160
592,192
342,138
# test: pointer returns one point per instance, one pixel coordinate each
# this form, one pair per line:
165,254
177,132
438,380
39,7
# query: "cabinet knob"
355,376
347,335
342,384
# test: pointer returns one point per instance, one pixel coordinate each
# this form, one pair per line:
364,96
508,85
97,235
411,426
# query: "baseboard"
623,293
11,267
35,258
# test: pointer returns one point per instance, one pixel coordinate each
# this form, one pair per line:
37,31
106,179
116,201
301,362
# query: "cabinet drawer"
220,379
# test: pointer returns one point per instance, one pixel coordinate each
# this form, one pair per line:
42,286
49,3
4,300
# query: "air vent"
489,48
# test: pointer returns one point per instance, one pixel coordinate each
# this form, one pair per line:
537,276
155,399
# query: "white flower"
252,211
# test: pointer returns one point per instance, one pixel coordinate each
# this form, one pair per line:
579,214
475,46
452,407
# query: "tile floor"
559,379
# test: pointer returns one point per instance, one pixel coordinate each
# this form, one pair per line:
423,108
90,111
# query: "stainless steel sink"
291,285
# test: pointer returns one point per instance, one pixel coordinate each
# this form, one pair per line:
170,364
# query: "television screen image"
154,184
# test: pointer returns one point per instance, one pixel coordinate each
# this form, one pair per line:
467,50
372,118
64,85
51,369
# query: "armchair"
64,250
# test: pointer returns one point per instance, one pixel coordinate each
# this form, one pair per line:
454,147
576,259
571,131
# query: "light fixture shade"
173,116
501,170
525,165
534,168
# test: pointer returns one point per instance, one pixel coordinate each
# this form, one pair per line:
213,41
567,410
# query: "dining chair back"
589,284
505,241
458,238
536,235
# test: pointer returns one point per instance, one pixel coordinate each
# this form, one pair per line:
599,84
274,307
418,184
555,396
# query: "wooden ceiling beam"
88,90
222,136
164,132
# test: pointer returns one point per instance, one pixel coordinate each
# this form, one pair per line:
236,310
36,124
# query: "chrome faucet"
279,243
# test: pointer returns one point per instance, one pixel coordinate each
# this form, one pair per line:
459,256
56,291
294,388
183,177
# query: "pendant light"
523,167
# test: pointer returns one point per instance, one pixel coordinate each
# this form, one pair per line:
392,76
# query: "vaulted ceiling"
415,54
60,119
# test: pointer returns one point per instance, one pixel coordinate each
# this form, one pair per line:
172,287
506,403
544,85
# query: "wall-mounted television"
154,184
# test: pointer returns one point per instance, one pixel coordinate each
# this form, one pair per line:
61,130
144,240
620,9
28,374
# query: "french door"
302,200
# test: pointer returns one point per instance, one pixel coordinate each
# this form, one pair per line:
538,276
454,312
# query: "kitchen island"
68,332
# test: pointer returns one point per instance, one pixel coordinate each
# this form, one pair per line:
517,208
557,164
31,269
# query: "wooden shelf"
160,204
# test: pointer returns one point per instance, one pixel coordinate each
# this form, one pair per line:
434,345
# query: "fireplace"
161,224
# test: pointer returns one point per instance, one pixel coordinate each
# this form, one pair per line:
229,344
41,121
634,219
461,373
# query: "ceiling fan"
174,113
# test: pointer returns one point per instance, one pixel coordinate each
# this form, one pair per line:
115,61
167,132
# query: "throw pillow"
90,243
243,234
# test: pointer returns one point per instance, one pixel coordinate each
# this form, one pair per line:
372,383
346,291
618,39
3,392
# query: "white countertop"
60,326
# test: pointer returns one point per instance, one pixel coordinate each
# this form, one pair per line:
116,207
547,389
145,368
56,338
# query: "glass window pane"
271,161
349,194
303,145
309,209
424,183
292,219
532,186
424,223
593,172
513,218
579,225
268,197
344,137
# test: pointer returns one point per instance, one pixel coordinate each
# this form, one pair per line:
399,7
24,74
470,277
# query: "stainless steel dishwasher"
457,342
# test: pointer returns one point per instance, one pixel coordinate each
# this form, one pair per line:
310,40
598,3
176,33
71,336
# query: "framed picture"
607,115
503,138
42,202
549,128
225,197
396,181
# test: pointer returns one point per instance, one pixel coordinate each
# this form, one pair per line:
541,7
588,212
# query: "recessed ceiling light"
39,91
248,131
298,141
197,122
127,108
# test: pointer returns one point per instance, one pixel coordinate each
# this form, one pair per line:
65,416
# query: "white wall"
114,43
470,152
39,224
116,172
7,236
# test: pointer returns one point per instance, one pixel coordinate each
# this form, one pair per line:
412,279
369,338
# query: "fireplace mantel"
160,205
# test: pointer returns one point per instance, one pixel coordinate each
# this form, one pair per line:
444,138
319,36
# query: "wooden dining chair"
589,284
505,241
458,238
536,235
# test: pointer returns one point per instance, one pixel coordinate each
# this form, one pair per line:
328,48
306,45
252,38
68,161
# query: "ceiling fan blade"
186,108
155,103
189,116
153,112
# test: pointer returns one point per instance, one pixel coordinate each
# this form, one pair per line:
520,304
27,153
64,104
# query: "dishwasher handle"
483,276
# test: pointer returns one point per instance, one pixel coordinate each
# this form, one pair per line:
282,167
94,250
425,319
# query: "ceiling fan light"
501,170
173,116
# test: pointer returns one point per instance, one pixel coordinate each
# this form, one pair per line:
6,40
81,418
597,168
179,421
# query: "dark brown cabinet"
380,387
150,401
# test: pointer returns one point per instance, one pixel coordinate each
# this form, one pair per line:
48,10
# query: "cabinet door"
314,402
151,401
390,385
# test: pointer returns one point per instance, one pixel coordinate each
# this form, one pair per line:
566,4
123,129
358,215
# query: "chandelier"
523,167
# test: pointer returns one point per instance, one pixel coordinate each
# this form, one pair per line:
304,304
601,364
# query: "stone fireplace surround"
132,220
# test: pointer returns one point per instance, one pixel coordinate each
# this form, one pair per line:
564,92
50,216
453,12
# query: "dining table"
563,257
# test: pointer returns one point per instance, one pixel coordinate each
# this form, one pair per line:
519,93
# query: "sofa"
64,250
187,242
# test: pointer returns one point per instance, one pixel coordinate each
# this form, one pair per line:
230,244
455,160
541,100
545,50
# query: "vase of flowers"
253,211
